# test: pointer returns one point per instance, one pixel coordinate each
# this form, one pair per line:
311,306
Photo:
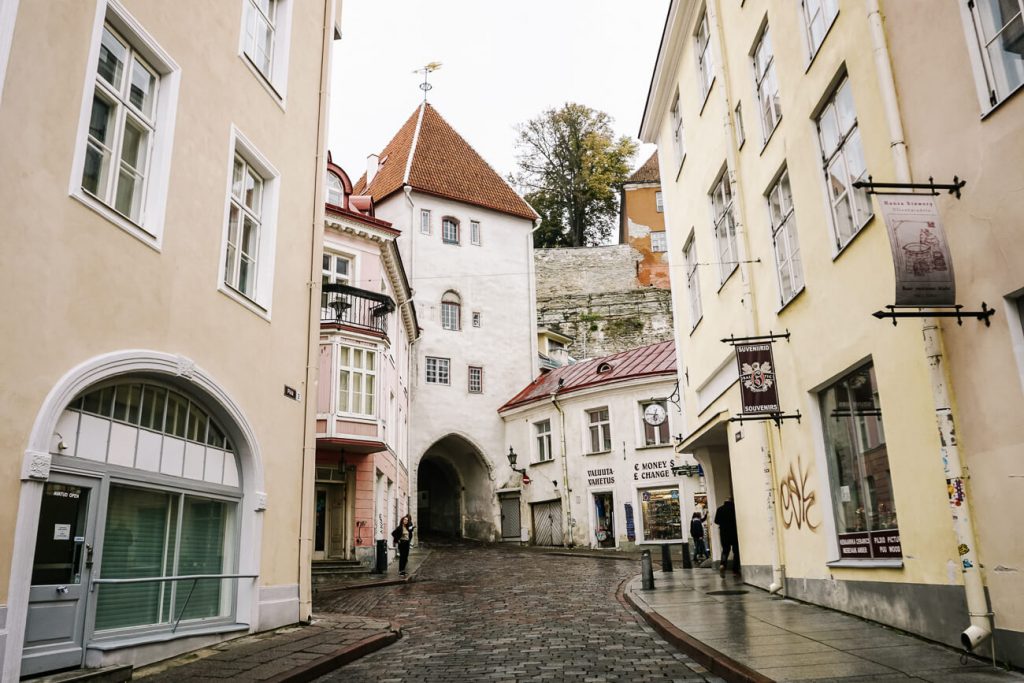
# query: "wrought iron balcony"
354,307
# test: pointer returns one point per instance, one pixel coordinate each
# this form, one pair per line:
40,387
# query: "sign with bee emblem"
759,393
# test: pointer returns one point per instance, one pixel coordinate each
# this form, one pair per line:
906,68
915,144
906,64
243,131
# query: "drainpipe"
565,468
977,604
778,570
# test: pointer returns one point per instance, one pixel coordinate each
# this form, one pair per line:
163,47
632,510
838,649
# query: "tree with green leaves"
570,164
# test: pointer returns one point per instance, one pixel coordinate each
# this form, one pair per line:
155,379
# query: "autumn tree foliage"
570,165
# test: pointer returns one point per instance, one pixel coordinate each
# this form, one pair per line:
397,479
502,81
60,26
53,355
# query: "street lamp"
512,457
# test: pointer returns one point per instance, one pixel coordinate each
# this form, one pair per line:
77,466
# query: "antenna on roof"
426,71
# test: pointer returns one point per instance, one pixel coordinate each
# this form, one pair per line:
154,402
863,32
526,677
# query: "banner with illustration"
758,390
920,253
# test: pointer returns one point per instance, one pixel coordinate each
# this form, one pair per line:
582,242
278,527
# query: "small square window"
658,242
476,318
450,231
474,232
476,380
437,370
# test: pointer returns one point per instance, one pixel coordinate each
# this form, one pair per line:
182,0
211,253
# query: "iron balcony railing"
345,305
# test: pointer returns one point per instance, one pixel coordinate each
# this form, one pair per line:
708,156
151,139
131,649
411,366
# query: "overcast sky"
503,63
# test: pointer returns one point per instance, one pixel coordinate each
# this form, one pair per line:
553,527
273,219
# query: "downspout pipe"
567,540
980,629
742,255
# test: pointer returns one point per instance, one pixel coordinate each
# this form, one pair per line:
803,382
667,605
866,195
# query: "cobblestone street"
483,613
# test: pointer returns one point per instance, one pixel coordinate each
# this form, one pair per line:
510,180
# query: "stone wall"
593,296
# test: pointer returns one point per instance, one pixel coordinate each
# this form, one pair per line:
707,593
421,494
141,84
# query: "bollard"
687,561
666,558
382,557
647,570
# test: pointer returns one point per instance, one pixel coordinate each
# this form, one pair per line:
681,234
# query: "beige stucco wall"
76,286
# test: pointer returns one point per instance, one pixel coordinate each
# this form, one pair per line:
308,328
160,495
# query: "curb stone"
338,658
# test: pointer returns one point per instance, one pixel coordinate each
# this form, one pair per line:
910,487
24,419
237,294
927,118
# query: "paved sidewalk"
752,636
417,555
291,654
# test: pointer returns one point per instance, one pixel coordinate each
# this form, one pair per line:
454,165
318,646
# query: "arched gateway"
455,491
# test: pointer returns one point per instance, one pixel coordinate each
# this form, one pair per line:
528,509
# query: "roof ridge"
412,146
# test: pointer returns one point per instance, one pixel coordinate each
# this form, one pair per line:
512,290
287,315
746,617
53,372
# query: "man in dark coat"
725,518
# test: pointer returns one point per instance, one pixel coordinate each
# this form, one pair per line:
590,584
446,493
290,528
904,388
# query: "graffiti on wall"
797,497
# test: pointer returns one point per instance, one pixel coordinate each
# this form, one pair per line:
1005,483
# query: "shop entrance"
604,519
61,569
332,536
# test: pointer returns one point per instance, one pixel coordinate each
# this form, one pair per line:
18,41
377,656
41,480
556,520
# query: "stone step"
327,577
317,569
108,674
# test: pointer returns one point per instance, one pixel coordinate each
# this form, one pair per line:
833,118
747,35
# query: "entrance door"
604,520
510,516
320,533
547,523
338,525
61,569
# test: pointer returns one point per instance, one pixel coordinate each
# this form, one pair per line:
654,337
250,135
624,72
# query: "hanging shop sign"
758,390
920,253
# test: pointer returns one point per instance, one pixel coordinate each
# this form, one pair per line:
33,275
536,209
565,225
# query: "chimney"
372,164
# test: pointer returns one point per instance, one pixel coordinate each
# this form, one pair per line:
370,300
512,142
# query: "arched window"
449,230
451,311
335,192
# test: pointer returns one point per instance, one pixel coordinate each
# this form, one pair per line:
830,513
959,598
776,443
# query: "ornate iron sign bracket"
777,418
955,311
930,187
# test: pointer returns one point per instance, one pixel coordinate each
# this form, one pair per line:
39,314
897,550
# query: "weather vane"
426,71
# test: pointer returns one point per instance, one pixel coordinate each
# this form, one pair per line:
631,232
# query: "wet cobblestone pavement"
484,613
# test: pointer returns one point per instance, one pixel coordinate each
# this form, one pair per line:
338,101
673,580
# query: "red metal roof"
644,361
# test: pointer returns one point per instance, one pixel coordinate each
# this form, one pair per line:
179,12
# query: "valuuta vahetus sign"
758,391
924,272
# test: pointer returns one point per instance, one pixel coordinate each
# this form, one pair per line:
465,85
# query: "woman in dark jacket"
402,535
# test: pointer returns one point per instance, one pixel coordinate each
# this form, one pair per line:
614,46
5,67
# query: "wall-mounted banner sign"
758,390
920,253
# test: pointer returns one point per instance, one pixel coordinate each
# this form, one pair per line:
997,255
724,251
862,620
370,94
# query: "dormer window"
335,191
603,368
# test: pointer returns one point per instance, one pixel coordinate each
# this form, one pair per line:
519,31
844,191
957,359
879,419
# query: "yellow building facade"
765,114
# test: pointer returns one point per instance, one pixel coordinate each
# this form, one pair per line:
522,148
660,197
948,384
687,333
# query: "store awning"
712,432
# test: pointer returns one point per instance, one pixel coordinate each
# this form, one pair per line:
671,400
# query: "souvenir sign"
920,253
758,390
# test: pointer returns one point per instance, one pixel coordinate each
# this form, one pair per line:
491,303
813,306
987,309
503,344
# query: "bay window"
357,375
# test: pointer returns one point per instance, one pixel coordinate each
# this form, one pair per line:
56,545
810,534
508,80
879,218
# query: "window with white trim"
474,232
266,31
659,202
767,85
437,370
335,190
784,239
599,429
702,49
476,379
658,242
424,221
357,375
818,18
451,311
449,230
843,163
244,222
678,134
542,439
999,28
725,227
692,280
337,269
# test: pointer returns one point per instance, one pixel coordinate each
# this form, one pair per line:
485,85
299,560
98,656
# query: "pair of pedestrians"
725,518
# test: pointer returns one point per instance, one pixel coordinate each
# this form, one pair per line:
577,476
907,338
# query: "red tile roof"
644,361
648,173
443,164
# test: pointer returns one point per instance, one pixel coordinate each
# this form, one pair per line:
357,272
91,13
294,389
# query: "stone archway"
455,491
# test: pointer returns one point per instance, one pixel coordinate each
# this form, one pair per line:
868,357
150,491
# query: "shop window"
655,435
858,463
661,514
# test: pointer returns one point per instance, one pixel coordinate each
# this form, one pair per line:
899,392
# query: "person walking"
725,518
402,536
700,551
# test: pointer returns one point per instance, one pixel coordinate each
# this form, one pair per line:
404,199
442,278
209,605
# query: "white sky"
503,63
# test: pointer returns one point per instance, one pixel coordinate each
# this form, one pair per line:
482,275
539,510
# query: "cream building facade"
765,115
160,256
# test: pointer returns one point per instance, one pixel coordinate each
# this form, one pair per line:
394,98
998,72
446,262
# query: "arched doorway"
455,491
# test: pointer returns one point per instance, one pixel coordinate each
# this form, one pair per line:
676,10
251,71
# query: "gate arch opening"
455,491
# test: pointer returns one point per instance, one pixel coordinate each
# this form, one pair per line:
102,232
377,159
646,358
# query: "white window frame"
659,202
542,441
821,8
275,82
150,227
260,302
474,233
361,374
766,84
451,311
450,221
785,241
441,370
659,241
331,271
476,387
703,56
992,86
848,141
678,132
599,429
724,226
693,280
341,190
424,221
